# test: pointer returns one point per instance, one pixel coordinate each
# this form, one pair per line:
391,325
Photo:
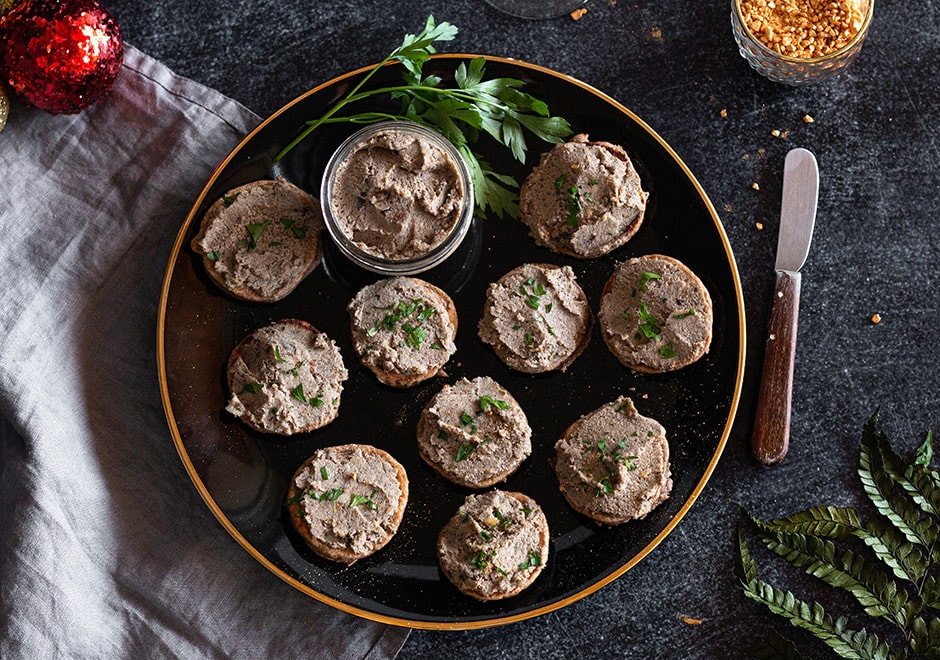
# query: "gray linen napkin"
106,550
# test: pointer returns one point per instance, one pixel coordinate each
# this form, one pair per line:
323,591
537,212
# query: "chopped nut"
808,119
775,133
723,113
759,225
755,186
575,166
876,318
578,13
803,29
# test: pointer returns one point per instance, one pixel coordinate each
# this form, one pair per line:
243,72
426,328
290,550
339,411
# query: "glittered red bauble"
60,55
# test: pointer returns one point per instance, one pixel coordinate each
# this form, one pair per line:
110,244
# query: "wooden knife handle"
771,437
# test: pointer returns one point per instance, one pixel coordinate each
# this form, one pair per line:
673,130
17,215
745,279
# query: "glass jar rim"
412,265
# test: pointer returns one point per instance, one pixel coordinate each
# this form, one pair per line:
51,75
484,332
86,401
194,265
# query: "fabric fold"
106,549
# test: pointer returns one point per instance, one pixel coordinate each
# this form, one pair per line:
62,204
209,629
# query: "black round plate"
243,475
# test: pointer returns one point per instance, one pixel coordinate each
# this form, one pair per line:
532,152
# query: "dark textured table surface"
876,249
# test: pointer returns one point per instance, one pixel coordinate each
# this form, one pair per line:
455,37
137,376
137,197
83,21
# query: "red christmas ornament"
60,55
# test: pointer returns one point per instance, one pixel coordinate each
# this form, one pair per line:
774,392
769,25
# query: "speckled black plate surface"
243,475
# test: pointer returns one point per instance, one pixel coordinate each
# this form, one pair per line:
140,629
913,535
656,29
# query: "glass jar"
353,242
796,70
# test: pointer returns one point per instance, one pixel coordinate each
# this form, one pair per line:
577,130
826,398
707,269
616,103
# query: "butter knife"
771,435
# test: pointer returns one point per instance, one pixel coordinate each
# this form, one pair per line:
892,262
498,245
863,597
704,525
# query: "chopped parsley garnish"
252,388
359,500
293,372
443,436
683,315
529,339
560,183
526,510
214,255
330,495
667,351
463,452
606,487
548,308
647,277
228,200
296,498
298,393
574,206
466,419
487,402
323,473
437,346
486,535
277,355
481,559
297,231
504,522
533,560
254,233
414,335
532,301
650,326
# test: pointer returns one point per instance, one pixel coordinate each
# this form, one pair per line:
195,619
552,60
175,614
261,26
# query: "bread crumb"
876,318
646,396
692,621
656,33
723,113
578,13
755,186
807,119
759,225
775,133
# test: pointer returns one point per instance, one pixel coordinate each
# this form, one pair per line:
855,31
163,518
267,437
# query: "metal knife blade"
797,209
771,437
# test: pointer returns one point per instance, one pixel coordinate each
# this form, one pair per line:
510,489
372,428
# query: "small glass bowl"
793,70
372,262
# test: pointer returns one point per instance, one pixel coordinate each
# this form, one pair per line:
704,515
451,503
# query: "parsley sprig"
497,107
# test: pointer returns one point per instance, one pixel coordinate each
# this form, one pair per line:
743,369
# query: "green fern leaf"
872,588
904,559
925,637
775,647
828,521
930,592
858,645
894,505
926,489
918,490
925,452
745,568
